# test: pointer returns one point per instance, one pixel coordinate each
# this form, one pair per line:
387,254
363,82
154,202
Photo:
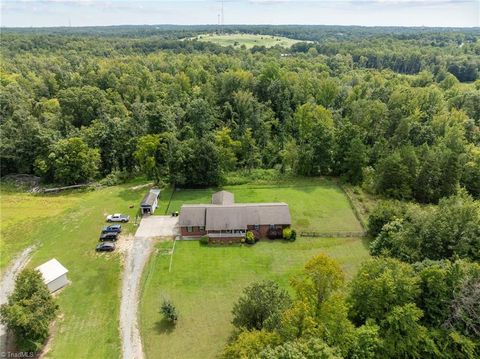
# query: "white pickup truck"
117,217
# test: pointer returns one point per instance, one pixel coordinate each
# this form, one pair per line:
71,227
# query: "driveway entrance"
158,226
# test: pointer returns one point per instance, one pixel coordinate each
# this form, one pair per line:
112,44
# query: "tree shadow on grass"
163,326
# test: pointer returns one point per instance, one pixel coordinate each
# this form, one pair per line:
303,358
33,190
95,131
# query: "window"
257,227
272,226
189,229
201,228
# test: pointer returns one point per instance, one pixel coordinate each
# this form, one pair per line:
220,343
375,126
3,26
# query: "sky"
46,13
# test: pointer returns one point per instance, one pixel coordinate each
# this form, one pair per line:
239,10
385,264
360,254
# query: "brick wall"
196,232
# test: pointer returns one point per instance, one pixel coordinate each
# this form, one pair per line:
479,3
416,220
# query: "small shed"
150,202
54,274
223,197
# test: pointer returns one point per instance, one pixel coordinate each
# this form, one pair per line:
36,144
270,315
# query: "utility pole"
222,18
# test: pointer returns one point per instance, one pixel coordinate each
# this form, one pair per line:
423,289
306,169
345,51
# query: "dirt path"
135,260
136,256
7,283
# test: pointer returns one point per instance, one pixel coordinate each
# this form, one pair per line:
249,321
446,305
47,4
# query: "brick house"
225,220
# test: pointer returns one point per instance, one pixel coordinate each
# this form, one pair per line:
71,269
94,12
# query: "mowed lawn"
316,205
66,227
249,40
205,281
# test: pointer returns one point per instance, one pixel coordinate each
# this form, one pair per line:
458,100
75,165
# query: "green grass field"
205,281
249,40
316,205
66,227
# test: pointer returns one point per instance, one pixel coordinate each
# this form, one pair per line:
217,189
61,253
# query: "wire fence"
355,210
333,234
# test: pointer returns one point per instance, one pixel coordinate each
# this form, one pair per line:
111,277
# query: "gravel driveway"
136,256
7,283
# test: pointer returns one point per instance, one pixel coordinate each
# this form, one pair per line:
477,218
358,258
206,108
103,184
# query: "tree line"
78,107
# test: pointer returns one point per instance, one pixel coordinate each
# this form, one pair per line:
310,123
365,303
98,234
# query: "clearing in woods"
249,40
204,281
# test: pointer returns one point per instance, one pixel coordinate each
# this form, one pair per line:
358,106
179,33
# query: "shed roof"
223,197
51,270
150,197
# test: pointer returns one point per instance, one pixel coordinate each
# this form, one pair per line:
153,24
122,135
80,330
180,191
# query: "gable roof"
239,216
192,215
51,270
223,197
234,216
150,197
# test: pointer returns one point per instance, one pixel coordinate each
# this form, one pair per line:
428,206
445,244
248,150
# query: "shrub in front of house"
293,236
289,234
250,237
204,240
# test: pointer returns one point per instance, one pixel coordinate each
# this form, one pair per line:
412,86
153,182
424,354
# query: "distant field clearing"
249,40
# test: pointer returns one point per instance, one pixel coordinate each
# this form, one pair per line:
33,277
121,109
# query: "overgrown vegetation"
412,233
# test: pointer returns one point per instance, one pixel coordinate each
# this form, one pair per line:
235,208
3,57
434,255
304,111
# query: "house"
54,274
150,202
224,219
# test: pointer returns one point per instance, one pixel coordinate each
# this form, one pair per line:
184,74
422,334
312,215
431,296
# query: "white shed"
150,201
54,274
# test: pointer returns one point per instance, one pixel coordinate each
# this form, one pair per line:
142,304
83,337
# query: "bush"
289,234
250,237
114,178
169,312
204,240
258,176
293,236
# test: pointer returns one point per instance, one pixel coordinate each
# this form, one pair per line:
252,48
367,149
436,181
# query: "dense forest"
395,109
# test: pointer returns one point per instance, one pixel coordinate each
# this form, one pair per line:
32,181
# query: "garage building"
150,202
54,274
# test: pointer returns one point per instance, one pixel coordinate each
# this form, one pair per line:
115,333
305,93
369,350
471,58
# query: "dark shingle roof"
233,216
150,198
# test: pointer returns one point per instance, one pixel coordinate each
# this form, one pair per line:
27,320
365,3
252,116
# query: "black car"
116,228
105,247
108,236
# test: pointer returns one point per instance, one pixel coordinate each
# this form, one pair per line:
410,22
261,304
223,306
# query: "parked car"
117,228
117,217
105,247
108,236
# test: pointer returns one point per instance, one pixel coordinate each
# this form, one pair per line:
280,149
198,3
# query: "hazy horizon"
368,13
